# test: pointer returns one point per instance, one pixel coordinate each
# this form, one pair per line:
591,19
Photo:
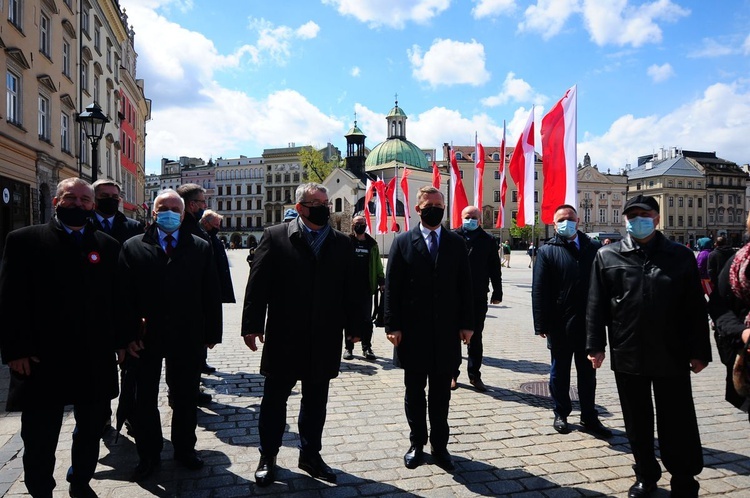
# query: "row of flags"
559,138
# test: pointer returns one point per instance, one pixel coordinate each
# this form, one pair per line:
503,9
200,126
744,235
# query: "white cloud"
746,46
493,8
275,41
548,17
355,71
308,30
711,48
449,62
718,121
391,13
514,89
618,23
660,73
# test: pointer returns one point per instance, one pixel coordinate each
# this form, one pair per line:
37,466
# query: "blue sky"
231,77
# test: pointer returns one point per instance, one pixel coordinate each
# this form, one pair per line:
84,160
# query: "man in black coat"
718,258
646,294
107,216
169,279
428,312
559,293
485,267
61,279
302,342
211,223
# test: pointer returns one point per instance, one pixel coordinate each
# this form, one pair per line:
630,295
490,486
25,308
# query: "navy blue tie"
433,246
106,226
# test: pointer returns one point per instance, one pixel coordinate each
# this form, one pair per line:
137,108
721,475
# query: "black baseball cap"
641,201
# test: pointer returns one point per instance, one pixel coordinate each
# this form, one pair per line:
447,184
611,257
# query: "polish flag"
521,169
478,173
405,193
559,130
458,194
381,211
500,222
435,176
368,197
390,195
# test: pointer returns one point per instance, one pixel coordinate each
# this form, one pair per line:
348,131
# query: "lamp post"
93,121
586,204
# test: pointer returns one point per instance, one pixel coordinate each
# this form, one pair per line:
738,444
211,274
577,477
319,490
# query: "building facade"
239,198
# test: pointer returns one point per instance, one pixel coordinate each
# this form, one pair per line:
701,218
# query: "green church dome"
396,150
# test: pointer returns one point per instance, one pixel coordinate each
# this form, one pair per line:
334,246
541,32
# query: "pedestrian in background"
718,258
368,279
61,277
506,254
485,268
646,294
559,293
183,315
704,245
428,312
211,223
531,253
107,215
303,343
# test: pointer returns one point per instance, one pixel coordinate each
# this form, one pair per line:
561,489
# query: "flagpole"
395,197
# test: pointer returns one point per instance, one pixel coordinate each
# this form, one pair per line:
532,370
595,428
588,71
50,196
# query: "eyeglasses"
315,204
199,200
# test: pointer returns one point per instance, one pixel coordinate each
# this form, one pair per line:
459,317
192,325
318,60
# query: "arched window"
495,156
337,207
459,156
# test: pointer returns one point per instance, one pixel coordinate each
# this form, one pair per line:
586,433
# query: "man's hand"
250,341
465,335
745,335
210,346
394,337
496,301
543,336
352,338
121,356
596,359
23,365
134,347
696,365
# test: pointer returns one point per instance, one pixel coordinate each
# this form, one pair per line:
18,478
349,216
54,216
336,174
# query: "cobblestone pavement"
502,441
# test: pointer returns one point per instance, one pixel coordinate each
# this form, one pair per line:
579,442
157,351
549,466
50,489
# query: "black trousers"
366,339
475,349
679,439
40,431
418,407
559,383
183,377
312,414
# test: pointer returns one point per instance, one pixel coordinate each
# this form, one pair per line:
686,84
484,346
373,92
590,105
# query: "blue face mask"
640,227
169,221
565,228
470,224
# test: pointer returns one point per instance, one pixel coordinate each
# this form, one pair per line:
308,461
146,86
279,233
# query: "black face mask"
213,232
72,216
107,206
360,229
319,215
431,216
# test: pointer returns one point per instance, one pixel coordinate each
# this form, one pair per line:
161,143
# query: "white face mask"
565,228
640,227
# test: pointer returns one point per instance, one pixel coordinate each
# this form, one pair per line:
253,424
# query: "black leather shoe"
596,428
561,425
145,468
316,467
443,459
478,385
207,369
640,489
81,491
265,474
204,399
368,354
189,459
414,456
348,355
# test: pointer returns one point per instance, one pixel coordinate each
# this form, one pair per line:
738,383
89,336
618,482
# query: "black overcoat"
57,304
300,303
222,267
123,227
428,302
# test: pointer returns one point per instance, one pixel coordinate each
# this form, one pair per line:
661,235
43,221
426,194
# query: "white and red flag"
435,176
458,193
381,211
390,193
368,198
500,222
521,169
559,130
405,193
478,173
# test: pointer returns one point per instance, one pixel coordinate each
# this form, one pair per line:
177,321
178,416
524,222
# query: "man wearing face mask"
646,292
485,268
211,222
559,293
155,268
107,215
368,279
428,312
64,350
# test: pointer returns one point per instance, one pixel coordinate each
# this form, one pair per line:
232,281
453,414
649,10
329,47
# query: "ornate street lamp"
93,121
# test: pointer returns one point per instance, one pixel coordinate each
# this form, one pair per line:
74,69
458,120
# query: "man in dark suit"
169,279
428,312
211,223
65,352
485,267
107,215
308,257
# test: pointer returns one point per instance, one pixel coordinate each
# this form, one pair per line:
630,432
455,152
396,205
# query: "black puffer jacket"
559,291
650,299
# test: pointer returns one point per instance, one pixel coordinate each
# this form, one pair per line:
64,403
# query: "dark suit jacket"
179,296
222,266
122,229
301,303
56,303
429,303
485,264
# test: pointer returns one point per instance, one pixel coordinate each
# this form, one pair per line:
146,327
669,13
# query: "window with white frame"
615,216
97,35
85,17
13,98
66,58
83,146
15,13
44,34
109,54
602,215
65,132
43,121
85,76
96,88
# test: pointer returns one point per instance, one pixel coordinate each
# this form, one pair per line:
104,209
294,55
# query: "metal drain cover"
541,388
